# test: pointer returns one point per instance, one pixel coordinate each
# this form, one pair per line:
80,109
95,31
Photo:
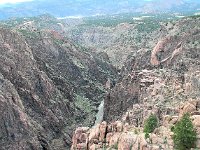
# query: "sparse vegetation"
195,16
58,42
28,34
136,131
115,146
83,103
146,135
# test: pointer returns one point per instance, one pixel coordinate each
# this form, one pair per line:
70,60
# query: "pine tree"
184,134
150,124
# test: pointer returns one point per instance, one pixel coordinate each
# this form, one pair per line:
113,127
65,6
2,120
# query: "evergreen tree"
150,124
184,134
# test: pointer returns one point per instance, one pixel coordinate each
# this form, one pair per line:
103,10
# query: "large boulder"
143,142
196,120
80,138
114,139
94,133
127,141
188,107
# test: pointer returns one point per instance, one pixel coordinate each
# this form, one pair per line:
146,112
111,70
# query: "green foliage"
28,34
146,135
172,128
195,16
42,21
184,134
83,104
109,21
58,42
148,26
115,146
150,124
150,22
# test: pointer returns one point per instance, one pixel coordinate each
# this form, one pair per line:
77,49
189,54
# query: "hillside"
91,83
48,87
119,36
162,80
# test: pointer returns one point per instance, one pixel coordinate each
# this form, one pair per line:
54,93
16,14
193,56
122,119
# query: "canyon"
163,81
89,87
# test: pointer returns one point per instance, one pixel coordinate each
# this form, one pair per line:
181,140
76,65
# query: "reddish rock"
108,137
80,138
187,107
196,120
114,139
94,133
102,128
93,147
81,146
174,120
126,127
155,147
126,141
143,142
119,126
158,48
110,128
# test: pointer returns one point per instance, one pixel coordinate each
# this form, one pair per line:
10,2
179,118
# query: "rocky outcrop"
50,85
46,89
125,135
160,78
80,139
158,49
168,88
160,55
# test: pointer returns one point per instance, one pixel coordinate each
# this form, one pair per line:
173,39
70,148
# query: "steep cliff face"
172,64
46,89
163,82
127,90
117,41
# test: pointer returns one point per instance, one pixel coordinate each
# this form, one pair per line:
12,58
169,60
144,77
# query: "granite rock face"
46,89
163,81
128,134
160,78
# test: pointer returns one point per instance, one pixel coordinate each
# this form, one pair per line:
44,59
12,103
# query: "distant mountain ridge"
64,8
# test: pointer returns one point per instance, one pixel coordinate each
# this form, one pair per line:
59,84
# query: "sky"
12,1
18,1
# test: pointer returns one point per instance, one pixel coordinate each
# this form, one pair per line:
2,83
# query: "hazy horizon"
62,8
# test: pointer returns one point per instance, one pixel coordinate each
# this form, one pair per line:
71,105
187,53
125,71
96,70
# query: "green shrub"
172,128
184,134
150,124
146,135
